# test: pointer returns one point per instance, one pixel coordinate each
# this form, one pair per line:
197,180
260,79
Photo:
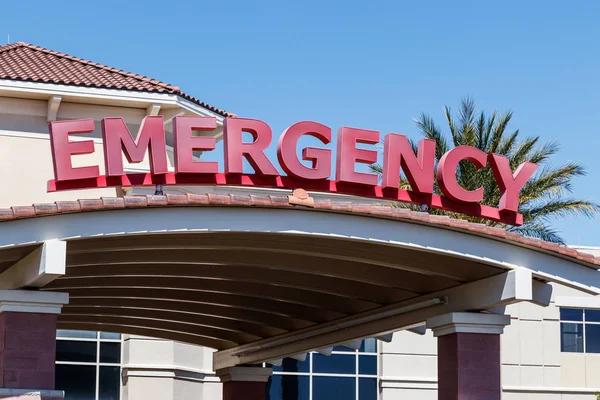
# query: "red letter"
510,184
321,158
348,155
418,170
116,138
185,144
62,149
446,173
235,149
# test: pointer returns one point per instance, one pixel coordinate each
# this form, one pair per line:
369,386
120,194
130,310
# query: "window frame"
356,375
583,322
97,364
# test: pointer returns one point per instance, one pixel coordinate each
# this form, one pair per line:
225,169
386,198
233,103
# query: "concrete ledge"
466,322
32,301
25,394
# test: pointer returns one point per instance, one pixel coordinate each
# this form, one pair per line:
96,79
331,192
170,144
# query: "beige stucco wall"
26,155
27,168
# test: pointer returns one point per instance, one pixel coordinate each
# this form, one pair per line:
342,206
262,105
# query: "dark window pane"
571,338
367,365
288,387
67,350
63,333
109,335
592,338
592,315
571,314
335,363
367,389
78,381
330,388
110,352
291,365
368,346
109,387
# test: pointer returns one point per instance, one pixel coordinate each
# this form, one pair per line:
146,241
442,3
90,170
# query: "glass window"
85,373
78,381
571,337
592,315
109,335
288,387
367,365
368,346
79,351
333,387
580,330
109,385
571,314
367,389
592,338
329,377
62,333
292,365
334,364
110,352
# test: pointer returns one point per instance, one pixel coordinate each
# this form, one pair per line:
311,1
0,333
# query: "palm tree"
544,198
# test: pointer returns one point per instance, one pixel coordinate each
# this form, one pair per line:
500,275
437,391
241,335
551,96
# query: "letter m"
117,140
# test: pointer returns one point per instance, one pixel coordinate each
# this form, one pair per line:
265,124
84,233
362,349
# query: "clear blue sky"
373,65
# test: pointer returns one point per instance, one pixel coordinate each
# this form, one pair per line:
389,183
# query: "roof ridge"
62,68
10,46
139,77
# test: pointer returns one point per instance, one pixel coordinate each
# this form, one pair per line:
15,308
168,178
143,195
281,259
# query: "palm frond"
539,231
543,199
431,131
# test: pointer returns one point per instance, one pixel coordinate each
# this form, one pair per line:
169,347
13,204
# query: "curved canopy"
244,274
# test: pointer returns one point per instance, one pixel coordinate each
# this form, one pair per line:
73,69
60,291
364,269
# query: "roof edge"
294,202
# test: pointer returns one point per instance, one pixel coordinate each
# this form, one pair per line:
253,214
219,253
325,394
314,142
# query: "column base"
24,394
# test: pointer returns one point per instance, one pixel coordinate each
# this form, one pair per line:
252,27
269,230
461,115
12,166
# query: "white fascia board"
578,302
50,89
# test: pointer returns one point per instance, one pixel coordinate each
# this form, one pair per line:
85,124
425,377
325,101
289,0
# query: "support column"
28,344
244,383
469,355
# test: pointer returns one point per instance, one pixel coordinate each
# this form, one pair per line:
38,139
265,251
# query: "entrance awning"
259,278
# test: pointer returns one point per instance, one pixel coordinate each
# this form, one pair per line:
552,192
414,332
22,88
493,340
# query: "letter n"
397,152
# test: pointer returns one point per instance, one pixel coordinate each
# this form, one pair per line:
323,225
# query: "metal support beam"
38,268
496,291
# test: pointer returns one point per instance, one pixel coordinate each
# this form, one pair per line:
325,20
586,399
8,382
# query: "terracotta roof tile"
26,62
325,205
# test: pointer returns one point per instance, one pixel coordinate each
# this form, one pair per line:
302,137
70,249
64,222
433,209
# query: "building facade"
548,352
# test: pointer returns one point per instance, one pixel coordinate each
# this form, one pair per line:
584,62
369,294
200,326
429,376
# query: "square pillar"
28,344
244,383
469,355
